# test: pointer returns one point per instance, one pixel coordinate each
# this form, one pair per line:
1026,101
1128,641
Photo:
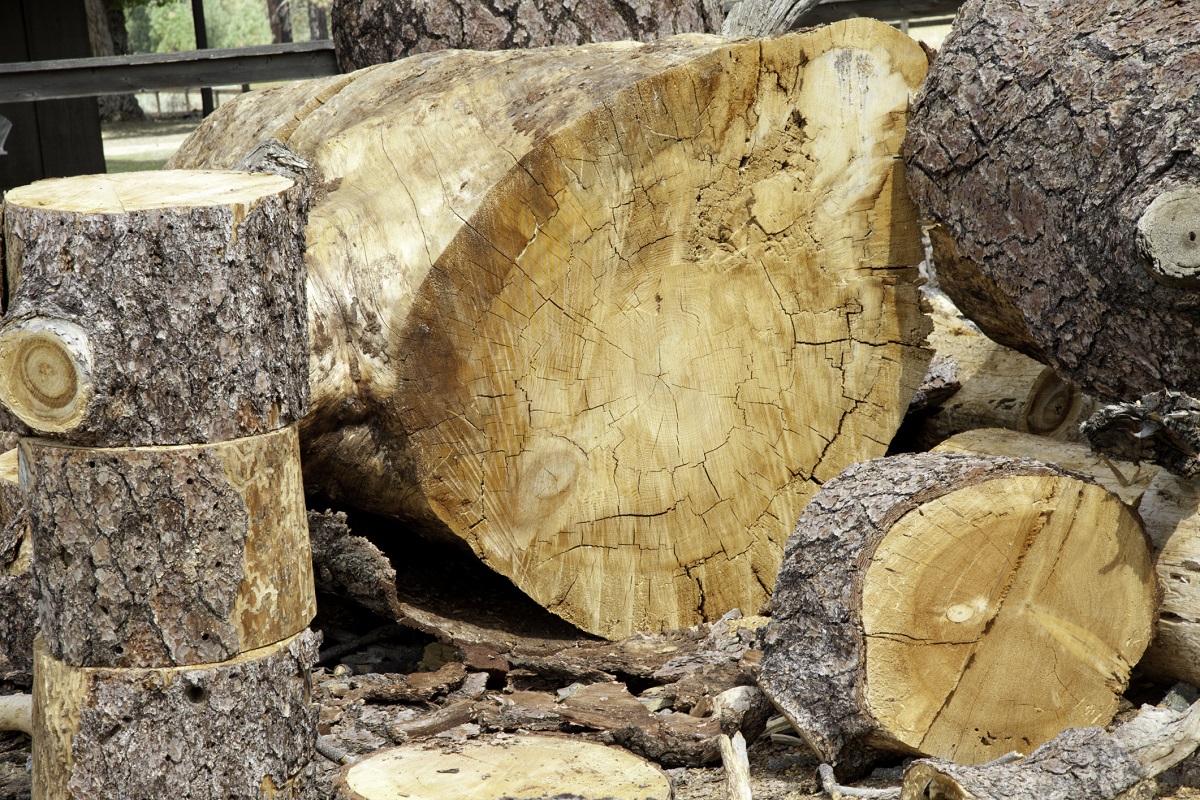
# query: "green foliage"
165,26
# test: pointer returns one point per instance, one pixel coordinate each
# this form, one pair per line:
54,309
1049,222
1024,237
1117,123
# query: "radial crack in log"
911,582
608,315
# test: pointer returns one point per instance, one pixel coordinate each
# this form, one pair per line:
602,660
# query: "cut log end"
46,370
1169,238
123,193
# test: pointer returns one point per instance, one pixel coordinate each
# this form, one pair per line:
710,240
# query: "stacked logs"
157,337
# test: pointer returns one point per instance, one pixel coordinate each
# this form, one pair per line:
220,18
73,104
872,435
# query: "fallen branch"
837,791
16,713
737,767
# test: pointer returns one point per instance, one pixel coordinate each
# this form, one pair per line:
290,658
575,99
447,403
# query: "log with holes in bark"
922,599
241,729
1056,144
367,32
163,556
610,314
148,308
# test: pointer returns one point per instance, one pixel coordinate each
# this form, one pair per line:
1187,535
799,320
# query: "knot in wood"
1168,236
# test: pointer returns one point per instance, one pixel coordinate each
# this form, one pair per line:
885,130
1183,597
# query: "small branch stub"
46,377
1168,236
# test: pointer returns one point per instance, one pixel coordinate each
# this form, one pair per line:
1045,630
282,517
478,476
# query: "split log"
922,596
607,315
367,32
1055,143
1170,509
997,388
146,309
1085,762
240,729
161,556
512,767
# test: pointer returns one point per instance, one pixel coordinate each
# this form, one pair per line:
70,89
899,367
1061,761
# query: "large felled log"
241,729
1055,143
161,556
607,315
149,310
367,32
922,597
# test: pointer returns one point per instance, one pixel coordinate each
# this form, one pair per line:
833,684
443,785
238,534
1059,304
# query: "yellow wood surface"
1001,613
609,314
125,192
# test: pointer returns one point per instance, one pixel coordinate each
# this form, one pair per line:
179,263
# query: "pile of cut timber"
607,315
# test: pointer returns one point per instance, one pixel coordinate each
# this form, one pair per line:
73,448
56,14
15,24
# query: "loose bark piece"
169,555
369,32
1042,141
607,315
1161,427
998,388
759,18
513,767
239,729
909,584
155,308
13,527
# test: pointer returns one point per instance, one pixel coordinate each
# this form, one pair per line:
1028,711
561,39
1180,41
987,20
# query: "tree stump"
243,728
144,308
167,556
606,315
923,598
1056,144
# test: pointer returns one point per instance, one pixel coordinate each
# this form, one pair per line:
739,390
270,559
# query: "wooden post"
158,333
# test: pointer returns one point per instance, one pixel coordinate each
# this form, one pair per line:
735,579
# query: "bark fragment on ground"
911,581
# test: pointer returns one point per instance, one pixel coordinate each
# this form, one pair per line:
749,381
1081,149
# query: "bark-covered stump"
161,556
608,315
244,728
149,308
1055,142
958,606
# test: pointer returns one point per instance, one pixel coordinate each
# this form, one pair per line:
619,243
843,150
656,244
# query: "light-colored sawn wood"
610,314
994,602
515,767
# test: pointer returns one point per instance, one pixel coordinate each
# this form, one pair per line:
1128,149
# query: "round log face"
988,616
169,555
1043,135
518,767
155,309
618,367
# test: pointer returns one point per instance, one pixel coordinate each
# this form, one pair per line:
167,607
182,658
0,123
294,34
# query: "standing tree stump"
158,334
957,606
607,315
1056,144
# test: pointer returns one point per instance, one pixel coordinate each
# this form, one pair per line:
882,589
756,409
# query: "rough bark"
1041,139
606,315
517,767
18,622
911,582
367,32
155,308
997,388
168,556
240,729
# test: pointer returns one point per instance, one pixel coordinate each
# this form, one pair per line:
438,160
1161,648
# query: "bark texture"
367,32
909,584
1043,135
168,556
242,729
606,315
155,310
18,622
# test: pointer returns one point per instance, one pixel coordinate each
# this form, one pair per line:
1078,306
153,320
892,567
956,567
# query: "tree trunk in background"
318,19
279,13
106,29
1040,141
606,315
909,587
369,32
